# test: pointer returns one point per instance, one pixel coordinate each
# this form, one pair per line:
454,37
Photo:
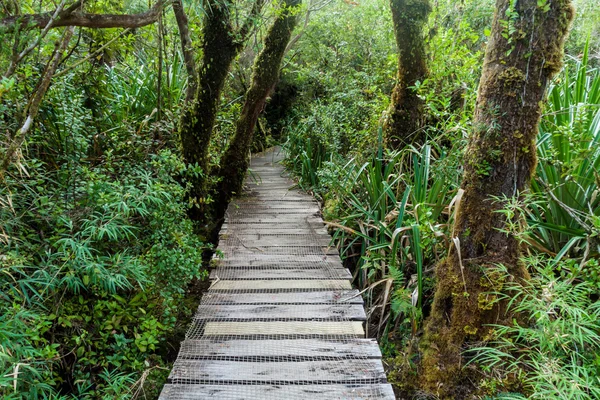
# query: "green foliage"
96,251
553,353
565,207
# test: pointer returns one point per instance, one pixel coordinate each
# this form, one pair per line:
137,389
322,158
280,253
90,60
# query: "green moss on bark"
405,114
265,75
500,160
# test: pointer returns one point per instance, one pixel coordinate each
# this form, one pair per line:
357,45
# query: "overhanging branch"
70,18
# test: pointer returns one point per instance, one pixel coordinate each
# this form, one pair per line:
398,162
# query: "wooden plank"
253,239
286,230
279,195
290,264
281,273
244,251
272,217
276,211
305,209
270,239
275,205
273,349
278,392
274,258
278,328
280,183
338,371
281,312
337,296
281,284
278,262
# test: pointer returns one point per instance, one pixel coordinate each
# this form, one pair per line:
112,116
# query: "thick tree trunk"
525,50
266,73
405,114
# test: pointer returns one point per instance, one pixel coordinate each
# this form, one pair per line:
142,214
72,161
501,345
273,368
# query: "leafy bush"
553,352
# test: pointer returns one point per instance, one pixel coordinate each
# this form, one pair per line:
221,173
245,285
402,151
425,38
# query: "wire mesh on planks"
280,320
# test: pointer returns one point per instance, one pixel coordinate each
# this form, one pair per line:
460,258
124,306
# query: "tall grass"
566,202
391,219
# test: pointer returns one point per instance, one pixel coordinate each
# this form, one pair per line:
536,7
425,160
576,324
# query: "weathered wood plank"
281,284
279,328
273,229
259,258
244,251
252,211
274,205
278,392
338,371
281,263
281,312
273,219
253,239
282,273
338,296
290,348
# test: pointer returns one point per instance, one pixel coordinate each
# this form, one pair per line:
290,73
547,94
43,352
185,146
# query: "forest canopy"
453,147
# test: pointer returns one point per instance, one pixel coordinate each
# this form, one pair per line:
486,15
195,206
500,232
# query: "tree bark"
405,115
524,51
266,73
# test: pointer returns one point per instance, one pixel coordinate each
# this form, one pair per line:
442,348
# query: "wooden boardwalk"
280,320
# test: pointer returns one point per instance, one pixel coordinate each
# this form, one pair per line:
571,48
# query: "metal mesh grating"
280,320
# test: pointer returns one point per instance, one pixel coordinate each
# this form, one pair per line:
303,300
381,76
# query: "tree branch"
250,20
15,61
186,49
70,18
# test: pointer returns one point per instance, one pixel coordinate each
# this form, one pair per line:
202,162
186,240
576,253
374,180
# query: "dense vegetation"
106,215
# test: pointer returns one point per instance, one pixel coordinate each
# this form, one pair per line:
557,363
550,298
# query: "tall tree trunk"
405,114
221,44
266,73
524,51
219,49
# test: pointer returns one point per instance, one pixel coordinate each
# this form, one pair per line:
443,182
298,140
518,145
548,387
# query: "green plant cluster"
97,254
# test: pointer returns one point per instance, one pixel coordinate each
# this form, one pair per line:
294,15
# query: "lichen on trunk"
235,162
405,114
522,55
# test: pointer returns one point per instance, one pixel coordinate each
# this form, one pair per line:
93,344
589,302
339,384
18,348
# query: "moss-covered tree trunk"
405,114
524,51
235,162
219,49
221,44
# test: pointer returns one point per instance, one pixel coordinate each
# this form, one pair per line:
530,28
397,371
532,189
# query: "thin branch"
249,23
186,49
15,61
91,55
